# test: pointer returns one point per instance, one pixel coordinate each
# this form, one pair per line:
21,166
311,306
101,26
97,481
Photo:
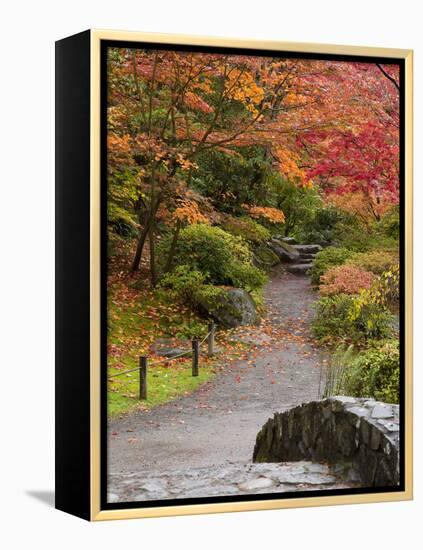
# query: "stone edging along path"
361,431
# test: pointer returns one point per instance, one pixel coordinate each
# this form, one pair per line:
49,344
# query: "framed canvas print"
233,275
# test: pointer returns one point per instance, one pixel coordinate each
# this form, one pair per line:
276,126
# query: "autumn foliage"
345,279
332,125
211,156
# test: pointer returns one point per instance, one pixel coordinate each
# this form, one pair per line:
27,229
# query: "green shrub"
233,180
389,287
376,261
353,235
324,227
331,318
299,204
120,222
250,230
327,258
246,276
221,257
384,292
389,225
189,286
337,318
375,373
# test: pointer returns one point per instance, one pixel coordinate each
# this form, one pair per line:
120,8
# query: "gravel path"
217,425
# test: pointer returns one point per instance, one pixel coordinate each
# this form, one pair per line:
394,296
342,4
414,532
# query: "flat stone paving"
227,480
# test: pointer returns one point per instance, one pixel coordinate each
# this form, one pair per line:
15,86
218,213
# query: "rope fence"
194,351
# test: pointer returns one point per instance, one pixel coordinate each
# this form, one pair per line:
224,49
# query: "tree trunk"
172,250
153,272
144,233
140,246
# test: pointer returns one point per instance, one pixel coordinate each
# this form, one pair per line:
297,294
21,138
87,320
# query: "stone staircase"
307,253
297,257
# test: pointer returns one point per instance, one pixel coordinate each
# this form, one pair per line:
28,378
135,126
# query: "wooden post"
143,377
210,339
195,354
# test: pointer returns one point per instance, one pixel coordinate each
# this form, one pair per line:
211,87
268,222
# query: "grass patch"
136,319
164,384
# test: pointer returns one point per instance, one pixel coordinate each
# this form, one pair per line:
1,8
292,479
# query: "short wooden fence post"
143,377
210,339
195,354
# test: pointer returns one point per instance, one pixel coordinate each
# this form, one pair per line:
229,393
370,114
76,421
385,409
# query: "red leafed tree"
361,154
331,123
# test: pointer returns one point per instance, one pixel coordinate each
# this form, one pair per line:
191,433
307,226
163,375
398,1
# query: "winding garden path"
213,430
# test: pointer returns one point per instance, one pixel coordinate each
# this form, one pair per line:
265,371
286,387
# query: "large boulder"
284,251
233,308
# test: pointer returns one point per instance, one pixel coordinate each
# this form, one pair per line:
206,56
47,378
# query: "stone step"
284,251
289,240
227,479
307,256
299,269
307,248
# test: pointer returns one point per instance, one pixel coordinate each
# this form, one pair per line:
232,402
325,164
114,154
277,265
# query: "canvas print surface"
253,275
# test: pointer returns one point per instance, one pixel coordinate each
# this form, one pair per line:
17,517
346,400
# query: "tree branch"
388,76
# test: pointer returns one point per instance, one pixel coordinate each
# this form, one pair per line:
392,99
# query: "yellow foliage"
361,205
188,212
184,163
288,166
273,215
242,87
119,144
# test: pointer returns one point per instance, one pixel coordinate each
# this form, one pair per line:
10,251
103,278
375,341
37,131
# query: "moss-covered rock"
264,256
284,251
233,308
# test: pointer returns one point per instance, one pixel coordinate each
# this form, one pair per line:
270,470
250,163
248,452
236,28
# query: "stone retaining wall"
361,431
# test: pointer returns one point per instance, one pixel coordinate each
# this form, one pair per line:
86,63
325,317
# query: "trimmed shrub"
338,318
327,258
345,279
221,257
375,373
376,261
250,230
189,286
